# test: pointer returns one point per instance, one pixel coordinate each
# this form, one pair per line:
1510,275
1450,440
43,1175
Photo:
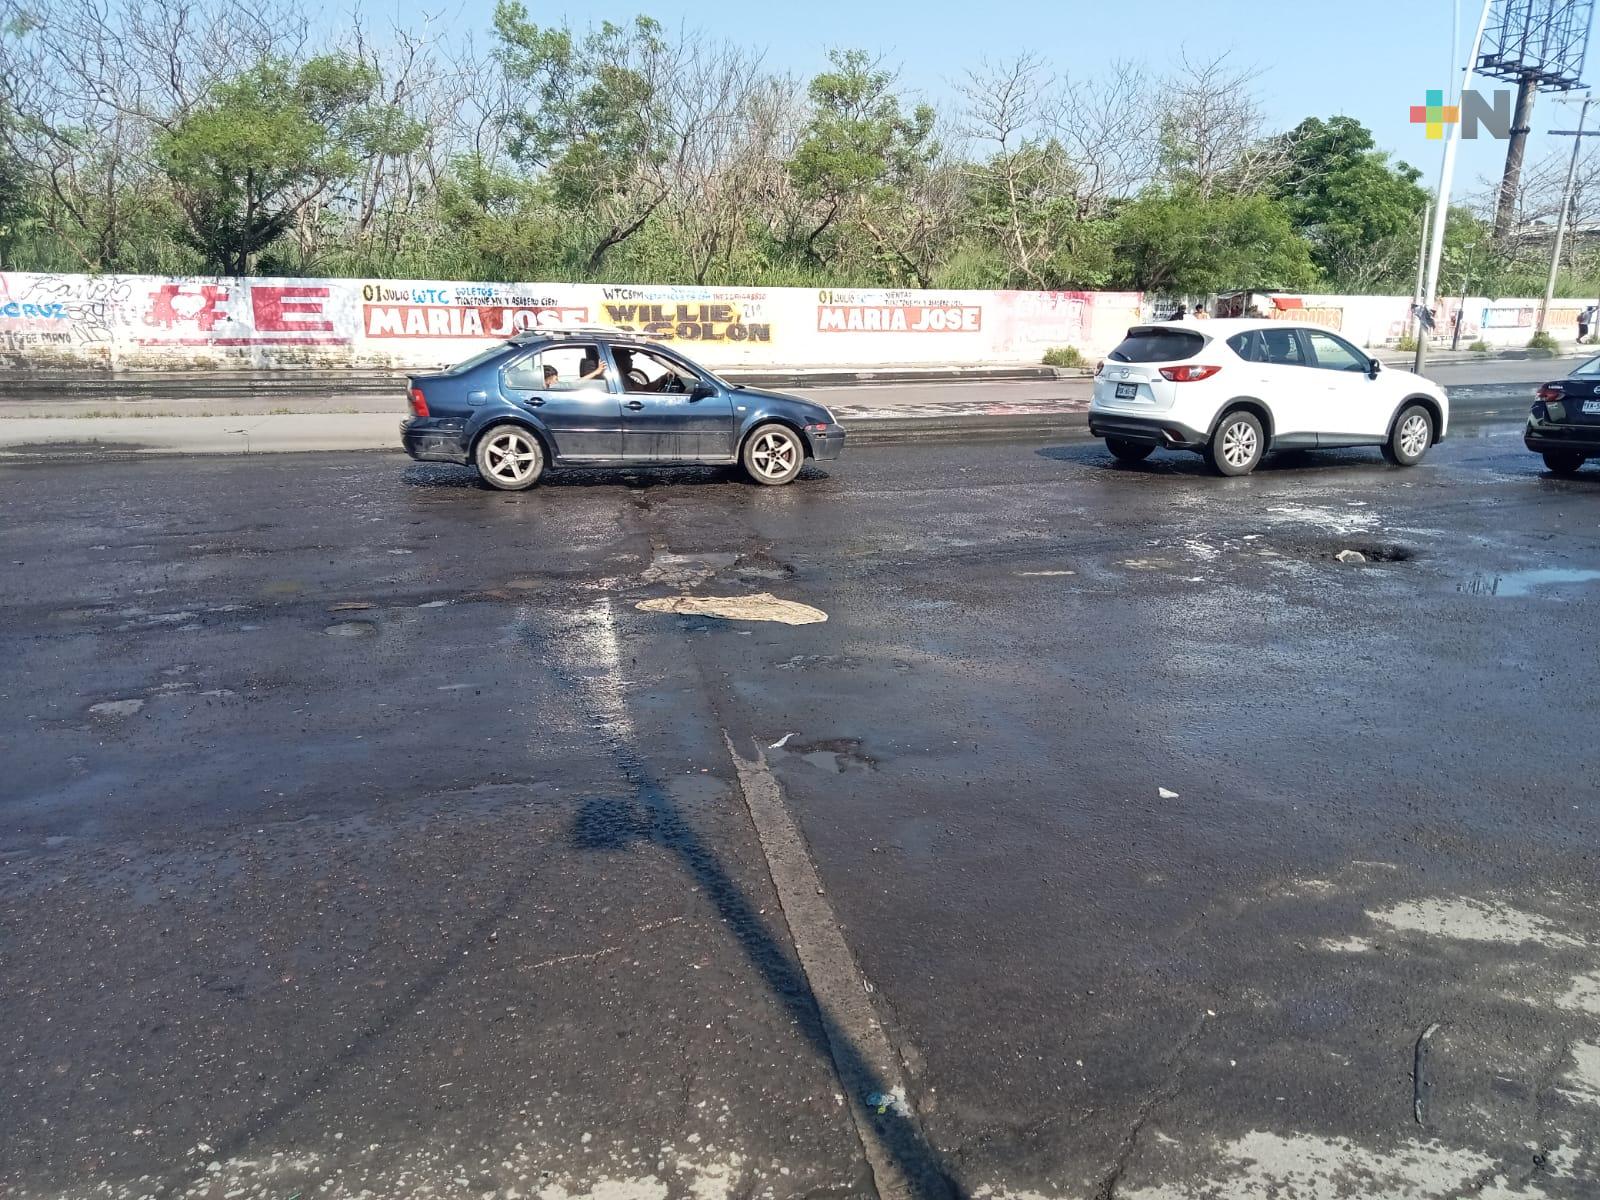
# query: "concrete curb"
40,386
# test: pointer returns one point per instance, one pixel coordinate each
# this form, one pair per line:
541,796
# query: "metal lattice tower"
1544,40
1539,45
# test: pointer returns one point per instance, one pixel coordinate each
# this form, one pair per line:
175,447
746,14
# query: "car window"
1334,354
647,371
1248,346
1281,348
563,368
1592,367
1146,344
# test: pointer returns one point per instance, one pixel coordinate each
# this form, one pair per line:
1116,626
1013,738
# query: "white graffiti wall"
140,322
145,322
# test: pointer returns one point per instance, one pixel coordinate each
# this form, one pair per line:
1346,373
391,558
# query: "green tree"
862,161
263,146
599,126
14,200
501,222
1180,242
1361,213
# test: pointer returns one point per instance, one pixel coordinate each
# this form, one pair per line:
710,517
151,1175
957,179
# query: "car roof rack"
596,332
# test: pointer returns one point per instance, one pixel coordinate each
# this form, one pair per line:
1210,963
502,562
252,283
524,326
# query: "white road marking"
866,1062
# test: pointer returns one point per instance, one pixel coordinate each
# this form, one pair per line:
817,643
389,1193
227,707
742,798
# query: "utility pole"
1441,203
1422,266
1511,182
1577,135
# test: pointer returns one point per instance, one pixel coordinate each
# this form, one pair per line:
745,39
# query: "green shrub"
1481,346
1065,356
1542,341
1406,342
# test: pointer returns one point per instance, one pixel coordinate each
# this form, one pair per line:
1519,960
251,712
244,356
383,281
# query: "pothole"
1372,552
116,708
833,754
351,629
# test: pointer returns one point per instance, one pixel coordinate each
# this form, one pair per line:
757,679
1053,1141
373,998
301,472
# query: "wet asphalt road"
1180,859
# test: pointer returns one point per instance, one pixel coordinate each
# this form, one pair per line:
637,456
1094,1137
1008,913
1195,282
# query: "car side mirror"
702,391
1374,365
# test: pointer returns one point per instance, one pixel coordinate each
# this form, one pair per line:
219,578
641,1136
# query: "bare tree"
1107,127
1213,133
1017,178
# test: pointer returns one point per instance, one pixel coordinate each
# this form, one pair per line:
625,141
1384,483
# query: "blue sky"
1370,59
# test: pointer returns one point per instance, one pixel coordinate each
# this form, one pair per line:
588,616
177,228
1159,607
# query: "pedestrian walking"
1586,319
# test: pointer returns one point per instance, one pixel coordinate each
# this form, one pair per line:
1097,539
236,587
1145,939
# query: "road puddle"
1531,582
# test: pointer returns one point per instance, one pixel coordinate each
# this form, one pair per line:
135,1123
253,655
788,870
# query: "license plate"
1127,391
1589,406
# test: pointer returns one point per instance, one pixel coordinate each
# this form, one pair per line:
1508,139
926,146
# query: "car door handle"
533,401
636,405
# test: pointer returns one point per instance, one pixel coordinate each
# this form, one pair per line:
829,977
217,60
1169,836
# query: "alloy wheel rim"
773,455
1412,435
511,457
1239,443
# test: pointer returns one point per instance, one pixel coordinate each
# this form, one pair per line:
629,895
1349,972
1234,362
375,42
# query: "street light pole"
1577,135
1441,203
1422,266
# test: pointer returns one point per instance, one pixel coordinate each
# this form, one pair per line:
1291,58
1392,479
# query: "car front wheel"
1238,444
508,457
773,454
1129,452
1413,434
1563,462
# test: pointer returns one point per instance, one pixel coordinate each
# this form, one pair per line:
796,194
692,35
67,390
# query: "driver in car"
634,380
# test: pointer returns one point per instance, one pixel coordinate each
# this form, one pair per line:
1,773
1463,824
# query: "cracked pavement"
359,833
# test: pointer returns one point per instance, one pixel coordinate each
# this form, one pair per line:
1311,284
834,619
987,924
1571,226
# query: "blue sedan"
605,398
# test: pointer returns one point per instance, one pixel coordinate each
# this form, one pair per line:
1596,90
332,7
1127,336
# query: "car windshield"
1592,367
1145,345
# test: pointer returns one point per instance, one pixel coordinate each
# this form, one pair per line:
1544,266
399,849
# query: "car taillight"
1099,366
1550,391
1188,374
419,403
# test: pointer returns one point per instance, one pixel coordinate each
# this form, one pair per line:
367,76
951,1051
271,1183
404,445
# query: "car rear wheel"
1412,435
1238,444
508,457
773,454
1129,452
1563,462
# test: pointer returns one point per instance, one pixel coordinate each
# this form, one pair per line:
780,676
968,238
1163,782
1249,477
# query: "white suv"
1231,390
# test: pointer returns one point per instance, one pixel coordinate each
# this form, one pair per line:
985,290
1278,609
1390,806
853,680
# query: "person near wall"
1586,319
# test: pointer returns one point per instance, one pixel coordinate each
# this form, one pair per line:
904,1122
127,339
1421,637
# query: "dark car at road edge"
606,397
1564,424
